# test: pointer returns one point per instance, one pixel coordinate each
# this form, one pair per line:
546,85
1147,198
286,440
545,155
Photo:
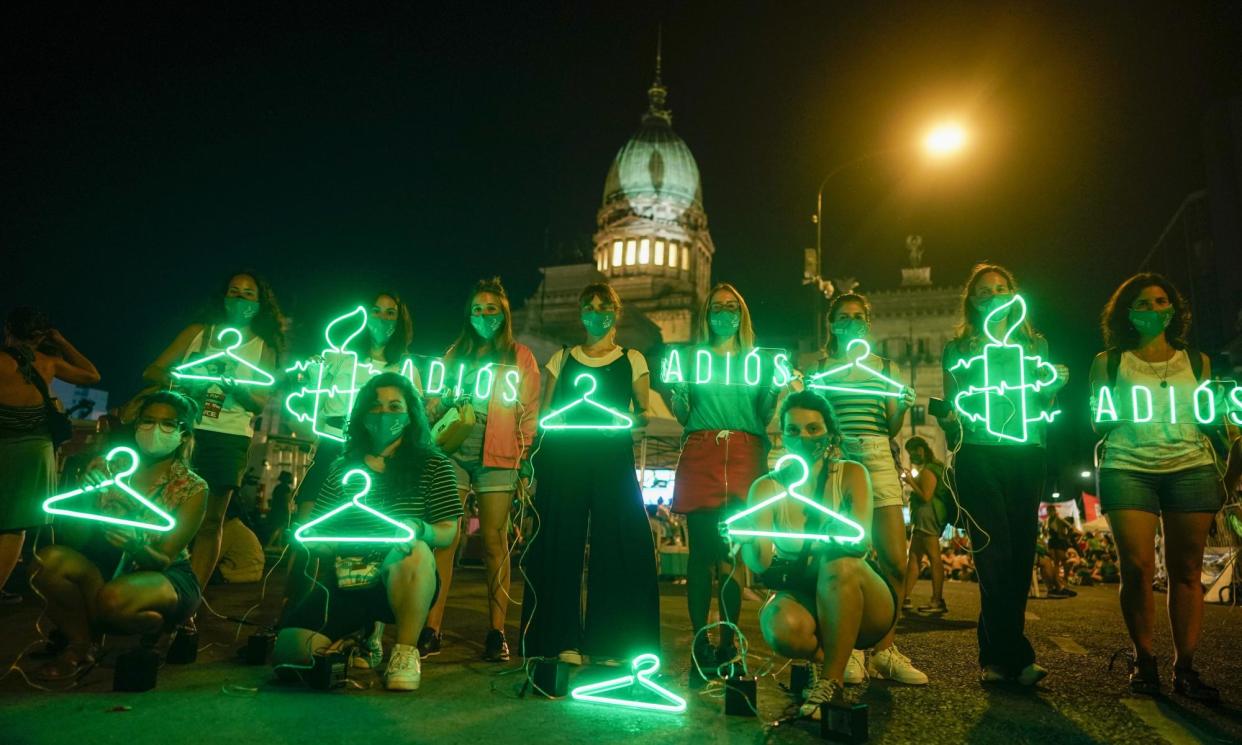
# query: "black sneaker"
727,659
428,642
1186,682
495,647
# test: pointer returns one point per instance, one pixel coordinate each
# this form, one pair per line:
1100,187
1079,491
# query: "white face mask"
155,442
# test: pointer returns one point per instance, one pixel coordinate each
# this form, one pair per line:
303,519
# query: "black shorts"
220,458
105,556
346,612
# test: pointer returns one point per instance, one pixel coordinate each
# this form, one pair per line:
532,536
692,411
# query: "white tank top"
1171,441
220,411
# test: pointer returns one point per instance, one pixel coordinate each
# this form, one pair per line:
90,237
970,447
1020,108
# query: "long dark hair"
970,322
469,342
398,344
416,447
919,441
1115,324
837,302
812,401
268,324
187,416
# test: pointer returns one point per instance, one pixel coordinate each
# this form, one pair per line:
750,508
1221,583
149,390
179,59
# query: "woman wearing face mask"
227,410
1158,471
586,478
928,517
829,600
999,477
724,449
412,482
868,420
494,454
108,578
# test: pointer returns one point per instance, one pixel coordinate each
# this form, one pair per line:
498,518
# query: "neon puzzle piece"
303,533
643,666
182,371
1003,402
555,419
344,383
166,523
856,532
857,352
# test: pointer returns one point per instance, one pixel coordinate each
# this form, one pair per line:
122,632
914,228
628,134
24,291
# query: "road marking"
1171,728
1067,644
1031,616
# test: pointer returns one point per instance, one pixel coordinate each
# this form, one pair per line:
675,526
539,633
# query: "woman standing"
999,479
587,491
724,450
1158,471
868,421
491,458
34,355
226,409
928,517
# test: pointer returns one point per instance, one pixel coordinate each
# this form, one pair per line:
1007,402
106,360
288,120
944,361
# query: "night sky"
421,147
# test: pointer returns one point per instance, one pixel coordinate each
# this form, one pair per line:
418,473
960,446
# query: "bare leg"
411,581
1184,536
294,651
914,564
931,549
789,629
854,607
729,602
444,564
137,603
70,582
1135,531
494,509
206,551
888,530
10,552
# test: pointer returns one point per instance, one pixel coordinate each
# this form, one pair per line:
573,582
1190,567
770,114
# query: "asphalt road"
464,700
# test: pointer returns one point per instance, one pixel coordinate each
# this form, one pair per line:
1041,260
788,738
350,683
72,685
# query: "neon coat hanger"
857,352
643,666
855,531
1004,399
555,419
229,352
303,533
295,403
166,521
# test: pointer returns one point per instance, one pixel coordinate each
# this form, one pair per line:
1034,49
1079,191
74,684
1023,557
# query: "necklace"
1164,376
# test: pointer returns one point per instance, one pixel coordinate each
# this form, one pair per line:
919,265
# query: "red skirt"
715,466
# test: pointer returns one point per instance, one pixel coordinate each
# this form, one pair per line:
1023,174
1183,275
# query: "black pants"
589,480
1001,486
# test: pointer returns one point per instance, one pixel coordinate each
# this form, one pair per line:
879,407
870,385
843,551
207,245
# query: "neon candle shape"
338,334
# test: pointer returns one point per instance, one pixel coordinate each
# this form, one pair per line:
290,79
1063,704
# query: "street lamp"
1085,474
942,141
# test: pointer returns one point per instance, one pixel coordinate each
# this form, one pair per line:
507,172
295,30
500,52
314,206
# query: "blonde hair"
745,331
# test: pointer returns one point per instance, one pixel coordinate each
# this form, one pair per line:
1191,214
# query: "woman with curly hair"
1156,469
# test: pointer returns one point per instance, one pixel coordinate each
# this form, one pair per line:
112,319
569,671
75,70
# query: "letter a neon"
1105,399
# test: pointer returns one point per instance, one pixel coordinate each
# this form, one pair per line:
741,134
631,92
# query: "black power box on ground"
136,670
550,678
259,647
843,723
741,697
329,671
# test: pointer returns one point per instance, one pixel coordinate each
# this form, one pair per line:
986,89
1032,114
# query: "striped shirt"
861,415
435,499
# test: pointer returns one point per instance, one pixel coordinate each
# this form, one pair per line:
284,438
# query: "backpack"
942,499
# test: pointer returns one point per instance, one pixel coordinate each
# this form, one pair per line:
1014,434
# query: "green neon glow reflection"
855,531
1209,404
307,403
556,419
1014,391
706,370
184,371
405,533
488,379
643,667
857,352
166,521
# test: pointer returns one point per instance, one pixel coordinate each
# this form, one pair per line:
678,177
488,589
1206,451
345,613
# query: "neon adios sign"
1212,402
442,378
700,366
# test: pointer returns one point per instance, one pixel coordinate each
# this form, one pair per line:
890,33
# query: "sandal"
77,661
1186,681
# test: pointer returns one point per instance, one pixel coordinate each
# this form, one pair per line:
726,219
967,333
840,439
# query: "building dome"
655,162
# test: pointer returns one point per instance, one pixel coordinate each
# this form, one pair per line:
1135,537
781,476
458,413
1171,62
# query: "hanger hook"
591,379
806,469
227,330
863,345
133,461
645,665
366,482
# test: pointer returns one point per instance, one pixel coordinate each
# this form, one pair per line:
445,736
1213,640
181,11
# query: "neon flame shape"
857,352
166,523
325,389
556,419
1014,392
303,533
856,532
229,352
643,666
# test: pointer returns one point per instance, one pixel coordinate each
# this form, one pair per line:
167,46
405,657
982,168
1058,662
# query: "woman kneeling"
829,600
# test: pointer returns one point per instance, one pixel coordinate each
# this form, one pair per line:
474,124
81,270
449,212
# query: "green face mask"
487,326
381,329
848,329
724,323
1151,322
239,310
597,322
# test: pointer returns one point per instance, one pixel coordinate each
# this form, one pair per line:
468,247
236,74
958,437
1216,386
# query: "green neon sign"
405,534
1211,400
560,419
336,374
856,352
487,380
186,370
165,521
853,534
639,681
700,366
1010,378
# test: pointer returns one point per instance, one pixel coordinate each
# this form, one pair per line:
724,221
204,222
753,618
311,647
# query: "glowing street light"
945,140
1085,474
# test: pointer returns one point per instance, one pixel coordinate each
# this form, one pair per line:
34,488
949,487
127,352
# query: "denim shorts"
874,454
1191,490
473,476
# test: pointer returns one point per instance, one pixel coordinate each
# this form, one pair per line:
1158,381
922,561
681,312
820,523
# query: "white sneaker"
826,691
570,657
855,669
371,654
1032,674
404,670
890,664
